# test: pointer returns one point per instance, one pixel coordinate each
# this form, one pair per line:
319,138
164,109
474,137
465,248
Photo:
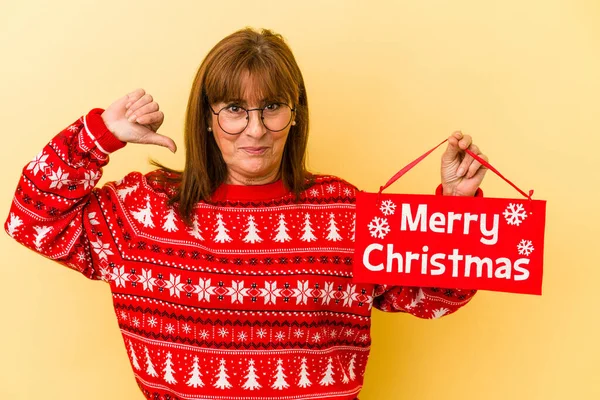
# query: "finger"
150,119
476,166
142,101
137,105
134,96
142,111
465,142
160,140
467,160
452,149
481,171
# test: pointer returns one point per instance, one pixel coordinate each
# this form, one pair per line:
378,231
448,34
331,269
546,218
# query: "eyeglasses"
233,119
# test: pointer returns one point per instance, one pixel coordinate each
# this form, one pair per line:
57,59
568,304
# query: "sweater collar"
250,192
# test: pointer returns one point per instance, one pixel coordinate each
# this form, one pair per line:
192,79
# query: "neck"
234,178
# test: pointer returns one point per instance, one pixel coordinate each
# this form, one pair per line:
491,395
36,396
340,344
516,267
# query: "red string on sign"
475,156
489,166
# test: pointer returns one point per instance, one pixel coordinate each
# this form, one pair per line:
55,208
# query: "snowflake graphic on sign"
515,214
388,207
525,247
379,227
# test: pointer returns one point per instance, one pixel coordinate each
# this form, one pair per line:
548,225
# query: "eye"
273,106
234,109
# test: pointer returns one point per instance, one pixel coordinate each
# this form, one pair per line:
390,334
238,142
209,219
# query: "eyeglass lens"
234,119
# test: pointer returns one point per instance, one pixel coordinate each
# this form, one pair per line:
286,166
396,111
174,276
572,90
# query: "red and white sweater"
254,301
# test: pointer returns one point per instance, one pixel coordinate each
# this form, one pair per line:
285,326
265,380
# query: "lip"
254,150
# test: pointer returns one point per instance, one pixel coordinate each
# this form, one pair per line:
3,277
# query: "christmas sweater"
253,300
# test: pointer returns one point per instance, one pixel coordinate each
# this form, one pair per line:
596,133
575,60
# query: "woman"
233,278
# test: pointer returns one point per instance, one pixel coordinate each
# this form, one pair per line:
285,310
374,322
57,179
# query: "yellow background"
386,81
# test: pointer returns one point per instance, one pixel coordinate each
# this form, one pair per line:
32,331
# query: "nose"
255,127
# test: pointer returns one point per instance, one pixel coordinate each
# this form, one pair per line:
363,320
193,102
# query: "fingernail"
132,118
127,105
460,171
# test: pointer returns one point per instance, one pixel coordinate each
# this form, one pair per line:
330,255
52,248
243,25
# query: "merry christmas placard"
450,242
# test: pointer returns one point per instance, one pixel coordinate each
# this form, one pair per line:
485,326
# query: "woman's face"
253,157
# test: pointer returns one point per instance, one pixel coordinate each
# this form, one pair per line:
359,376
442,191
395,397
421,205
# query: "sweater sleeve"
54,209
422,302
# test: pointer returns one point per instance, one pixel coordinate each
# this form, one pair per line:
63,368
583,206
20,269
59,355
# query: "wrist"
442,190
447,190
100,132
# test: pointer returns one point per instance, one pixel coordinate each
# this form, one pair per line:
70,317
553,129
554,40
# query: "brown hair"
269,61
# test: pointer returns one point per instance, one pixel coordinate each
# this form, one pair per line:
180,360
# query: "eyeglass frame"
262,118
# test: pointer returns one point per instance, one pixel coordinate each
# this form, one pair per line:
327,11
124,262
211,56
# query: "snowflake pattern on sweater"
255,300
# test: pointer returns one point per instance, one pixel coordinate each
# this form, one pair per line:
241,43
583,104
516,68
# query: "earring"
209,129
293,122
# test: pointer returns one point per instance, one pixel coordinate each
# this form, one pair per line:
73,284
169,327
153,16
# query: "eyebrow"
245,103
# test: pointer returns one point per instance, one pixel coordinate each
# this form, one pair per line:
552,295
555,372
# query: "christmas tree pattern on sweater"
254,299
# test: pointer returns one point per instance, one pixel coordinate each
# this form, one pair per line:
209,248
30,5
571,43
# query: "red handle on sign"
475,156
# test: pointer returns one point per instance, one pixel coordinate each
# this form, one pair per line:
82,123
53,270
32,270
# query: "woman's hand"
134,118
461,173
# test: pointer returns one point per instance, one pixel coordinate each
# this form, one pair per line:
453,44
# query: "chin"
255,169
